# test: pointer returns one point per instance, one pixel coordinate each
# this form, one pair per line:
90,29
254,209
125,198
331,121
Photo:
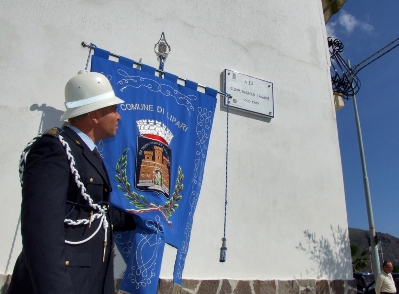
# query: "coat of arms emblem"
153,158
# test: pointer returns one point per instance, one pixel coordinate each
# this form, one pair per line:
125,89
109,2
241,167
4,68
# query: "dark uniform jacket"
49,195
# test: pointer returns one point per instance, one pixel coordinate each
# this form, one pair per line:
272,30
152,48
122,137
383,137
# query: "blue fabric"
170,77
148,69
211,92
156,164
191,84
126,61
101,53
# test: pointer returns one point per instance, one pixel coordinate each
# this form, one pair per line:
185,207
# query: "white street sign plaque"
248,93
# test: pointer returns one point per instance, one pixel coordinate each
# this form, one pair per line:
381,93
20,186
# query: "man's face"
107,122
388,268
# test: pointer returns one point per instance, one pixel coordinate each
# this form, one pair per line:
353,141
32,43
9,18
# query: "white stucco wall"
285,177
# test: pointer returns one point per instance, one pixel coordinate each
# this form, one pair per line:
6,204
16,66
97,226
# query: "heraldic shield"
156,164
153,158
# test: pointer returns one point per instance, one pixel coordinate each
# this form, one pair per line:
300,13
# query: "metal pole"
374,250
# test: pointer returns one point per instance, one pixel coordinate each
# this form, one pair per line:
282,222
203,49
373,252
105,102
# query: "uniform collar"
89,142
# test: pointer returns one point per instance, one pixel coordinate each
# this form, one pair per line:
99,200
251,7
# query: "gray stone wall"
240,286
4,282
257,287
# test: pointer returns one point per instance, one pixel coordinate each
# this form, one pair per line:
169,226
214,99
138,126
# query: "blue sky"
364,27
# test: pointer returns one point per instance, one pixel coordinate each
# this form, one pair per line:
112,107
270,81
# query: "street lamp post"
374,250
348,84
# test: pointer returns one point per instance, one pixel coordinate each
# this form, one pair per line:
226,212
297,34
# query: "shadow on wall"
330,254
50,117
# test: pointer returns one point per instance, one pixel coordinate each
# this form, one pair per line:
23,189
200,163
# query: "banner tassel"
223,251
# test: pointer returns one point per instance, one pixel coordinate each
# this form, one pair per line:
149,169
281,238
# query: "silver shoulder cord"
101,211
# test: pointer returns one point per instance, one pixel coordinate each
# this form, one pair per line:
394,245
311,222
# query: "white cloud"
330,27
350,23
367,27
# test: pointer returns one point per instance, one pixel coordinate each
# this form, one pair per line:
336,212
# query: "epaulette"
54,132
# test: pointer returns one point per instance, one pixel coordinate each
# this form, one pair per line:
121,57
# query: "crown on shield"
153,127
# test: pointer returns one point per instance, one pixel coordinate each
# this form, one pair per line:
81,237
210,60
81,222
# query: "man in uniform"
385,283
66,219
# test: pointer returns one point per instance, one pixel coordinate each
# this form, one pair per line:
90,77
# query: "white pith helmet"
86,92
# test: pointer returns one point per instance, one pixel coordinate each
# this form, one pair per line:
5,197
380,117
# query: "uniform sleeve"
44,193
121,220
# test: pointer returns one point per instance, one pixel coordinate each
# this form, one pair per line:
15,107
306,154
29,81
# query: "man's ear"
94,116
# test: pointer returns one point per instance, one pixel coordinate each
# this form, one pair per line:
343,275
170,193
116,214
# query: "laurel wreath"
140,201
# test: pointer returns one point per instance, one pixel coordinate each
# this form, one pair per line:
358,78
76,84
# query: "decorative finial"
162,50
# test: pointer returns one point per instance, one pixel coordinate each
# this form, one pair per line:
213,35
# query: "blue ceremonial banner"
156,164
